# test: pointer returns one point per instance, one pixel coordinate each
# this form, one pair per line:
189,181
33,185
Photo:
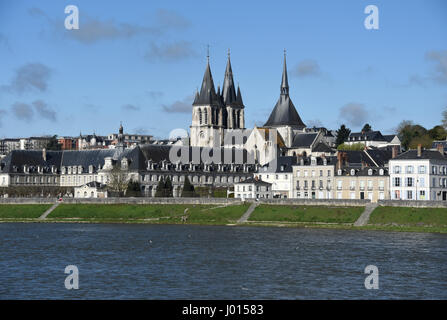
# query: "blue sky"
140,62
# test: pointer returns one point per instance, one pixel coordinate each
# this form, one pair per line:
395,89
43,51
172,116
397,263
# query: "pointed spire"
239,96
228,90
207,93
285,81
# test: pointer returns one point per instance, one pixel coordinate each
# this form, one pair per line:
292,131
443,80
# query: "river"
125,261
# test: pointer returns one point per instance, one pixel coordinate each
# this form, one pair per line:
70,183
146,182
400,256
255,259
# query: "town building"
279,172
374,139
419,175
362,175
313,177
91,190
253,188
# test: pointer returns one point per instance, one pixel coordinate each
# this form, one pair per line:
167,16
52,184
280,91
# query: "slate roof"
281,165
207,95
425,154
389,137
256,182
19,158
322,147
332,160
303,140
366,136
284,112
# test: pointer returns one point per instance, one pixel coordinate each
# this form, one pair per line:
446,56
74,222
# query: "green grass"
159,213
411,217
306,214
22,210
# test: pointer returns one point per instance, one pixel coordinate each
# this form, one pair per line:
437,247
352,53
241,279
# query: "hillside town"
222,158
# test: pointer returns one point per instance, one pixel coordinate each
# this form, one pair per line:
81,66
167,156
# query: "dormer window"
339,172
352,172
381,172
370,172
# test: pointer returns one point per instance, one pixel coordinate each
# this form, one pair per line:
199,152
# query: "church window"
206,116
200,116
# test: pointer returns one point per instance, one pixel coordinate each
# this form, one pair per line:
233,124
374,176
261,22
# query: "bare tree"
118,180
444,118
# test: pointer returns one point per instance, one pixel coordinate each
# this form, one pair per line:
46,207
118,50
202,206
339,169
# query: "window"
339,184
409,195
409,182
313,173
421,182
298,173
329,173
422,195
321,173
352,172
396,169
409,169
370,172
434,169
397,182
397,194
277,177
285,177
421,169
381,172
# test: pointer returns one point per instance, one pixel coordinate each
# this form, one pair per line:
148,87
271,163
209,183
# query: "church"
218,120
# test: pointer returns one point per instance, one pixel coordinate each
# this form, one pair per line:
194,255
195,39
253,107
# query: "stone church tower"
214,112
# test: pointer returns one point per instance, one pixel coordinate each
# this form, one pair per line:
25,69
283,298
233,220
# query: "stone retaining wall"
413,203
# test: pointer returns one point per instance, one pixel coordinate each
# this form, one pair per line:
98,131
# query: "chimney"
419,150
44,154
394,152
339,158
440,148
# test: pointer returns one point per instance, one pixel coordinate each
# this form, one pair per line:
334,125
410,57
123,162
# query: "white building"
253,188
279,173
419,175
91,190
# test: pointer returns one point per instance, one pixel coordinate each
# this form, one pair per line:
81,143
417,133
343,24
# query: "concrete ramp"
46,213
247,213
364,217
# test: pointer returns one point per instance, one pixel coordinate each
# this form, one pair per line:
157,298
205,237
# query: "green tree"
407,131
188,189
133,189
437,133
342,135
366,128
160,189
168,188
53,144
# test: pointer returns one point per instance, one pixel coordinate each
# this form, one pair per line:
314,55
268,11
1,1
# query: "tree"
437,133
411,134
342,135
366,128
188,189
133,189
168,188
160,189
444,118
53,144
118,181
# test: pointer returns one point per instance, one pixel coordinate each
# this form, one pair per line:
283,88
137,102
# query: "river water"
121,261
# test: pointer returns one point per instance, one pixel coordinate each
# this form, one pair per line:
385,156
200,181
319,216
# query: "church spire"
285,81
228,90
207,93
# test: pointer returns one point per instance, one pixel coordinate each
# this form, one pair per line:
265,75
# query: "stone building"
362,175
313,177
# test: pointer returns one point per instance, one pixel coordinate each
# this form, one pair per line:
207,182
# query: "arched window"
200,116
206,116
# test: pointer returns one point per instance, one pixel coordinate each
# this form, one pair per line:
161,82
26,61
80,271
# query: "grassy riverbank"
383,218
306,214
